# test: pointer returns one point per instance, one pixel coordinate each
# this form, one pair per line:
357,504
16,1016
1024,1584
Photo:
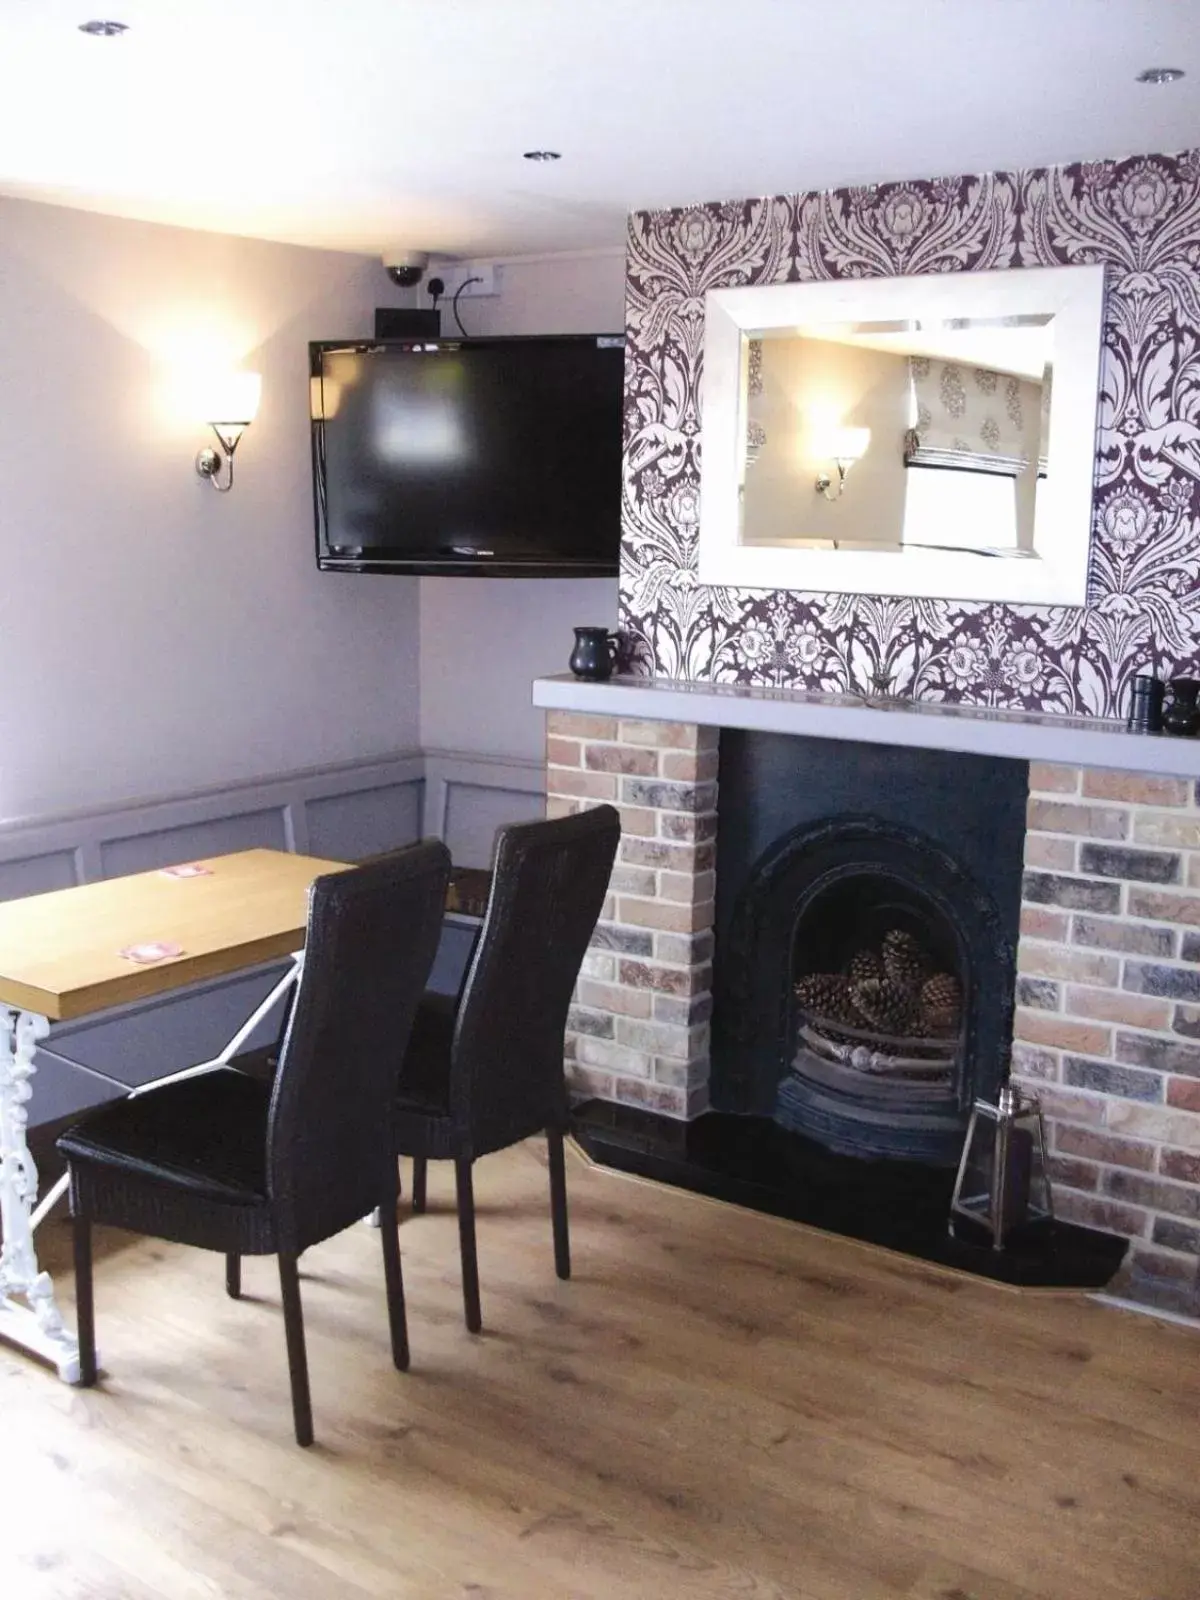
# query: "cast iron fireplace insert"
827,853
864,988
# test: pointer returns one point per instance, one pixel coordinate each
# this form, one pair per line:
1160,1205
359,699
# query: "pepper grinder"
1146,704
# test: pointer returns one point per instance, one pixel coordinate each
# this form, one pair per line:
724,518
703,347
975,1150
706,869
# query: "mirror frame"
1074,296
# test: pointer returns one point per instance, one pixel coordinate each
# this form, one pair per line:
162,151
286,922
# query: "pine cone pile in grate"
941,1003
865,964
891,990
884,1005
904,962
827,994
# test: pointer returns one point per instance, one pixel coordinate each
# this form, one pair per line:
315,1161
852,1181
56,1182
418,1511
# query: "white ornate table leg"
53,1195
36,1325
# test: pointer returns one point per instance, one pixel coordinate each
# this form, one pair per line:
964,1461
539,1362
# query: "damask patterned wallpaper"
1140,217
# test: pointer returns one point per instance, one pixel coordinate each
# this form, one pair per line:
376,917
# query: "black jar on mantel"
595,654
1146,704
1181,714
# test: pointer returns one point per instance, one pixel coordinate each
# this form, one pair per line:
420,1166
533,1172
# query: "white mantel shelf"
1023,736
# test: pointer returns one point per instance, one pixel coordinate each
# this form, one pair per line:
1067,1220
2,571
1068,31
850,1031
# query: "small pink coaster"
187,869
155,950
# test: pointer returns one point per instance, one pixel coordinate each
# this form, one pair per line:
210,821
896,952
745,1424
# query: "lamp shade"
849,444
230,398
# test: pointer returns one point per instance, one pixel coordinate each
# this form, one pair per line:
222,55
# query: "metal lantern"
1002,1183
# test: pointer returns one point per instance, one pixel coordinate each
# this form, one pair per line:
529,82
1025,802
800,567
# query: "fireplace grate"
876,1037
877,1055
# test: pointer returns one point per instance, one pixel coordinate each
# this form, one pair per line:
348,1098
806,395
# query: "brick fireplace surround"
1107,1030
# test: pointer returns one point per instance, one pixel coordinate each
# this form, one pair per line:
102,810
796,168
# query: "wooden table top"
60,953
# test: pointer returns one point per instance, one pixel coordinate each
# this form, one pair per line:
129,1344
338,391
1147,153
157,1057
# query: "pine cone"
903,959
941,1003
866,964
826,994
884,1005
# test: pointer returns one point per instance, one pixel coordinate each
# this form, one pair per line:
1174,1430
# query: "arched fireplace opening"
867,983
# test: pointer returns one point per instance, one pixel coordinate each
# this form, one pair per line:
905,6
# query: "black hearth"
899,1205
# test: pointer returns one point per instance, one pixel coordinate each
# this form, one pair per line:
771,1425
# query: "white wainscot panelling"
342,813
467,797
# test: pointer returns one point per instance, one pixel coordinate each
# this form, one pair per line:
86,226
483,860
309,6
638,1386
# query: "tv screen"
481,456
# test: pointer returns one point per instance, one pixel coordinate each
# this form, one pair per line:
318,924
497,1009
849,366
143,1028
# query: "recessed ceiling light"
1160,75
543,155
101,28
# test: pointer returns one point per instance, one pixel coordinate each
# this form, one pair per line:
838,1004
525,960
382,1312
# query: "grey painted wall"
484,640
164,643
159,637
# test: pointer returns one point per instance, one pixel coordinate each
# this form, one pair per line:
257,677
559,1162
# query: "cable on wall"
454,304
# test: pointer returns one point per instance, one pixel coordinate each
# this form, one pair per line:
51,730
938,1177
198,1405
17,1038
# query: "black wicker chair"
486,1071
227,1163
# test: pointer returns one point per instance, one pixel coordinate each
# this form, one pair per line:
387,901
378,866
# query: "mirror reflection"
916,434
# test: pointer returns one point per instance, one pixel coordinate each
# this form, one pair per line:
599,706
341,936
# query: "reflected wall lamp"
230,406
845,446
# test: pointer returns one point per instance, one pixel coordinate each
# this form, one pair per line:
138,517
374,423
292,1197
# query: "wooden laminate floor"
719,1404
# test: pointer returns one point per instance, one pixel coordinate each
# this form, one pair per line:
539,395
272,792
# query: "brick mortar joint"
1168,1034
1122,957
1190,806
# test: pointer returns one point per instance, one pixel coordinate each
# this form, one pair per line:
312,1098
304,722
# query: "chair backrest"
548,886
372,935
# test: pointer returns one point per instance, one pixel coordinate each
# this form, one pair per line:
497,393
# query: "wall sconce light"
229,406
845,446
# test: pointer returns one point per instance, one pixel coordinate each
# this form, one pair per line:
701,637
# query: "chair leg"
84,1309
293,1326
393,1277
558,1202
420,1168
233,1276
466,1244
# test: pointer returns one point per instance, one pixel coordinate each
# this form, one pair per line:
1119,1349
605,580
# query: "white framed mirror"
929,436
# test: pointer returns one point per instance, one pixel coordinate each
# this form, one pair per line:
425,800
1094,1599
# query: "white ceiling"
363,123
1024,350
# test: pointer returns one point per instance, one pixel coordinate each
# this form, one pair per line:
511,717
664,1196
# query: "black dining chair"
486,1070
225,1162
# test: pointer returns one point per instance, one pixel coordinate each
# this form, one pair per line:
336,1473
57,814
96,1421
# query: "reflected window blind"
973,419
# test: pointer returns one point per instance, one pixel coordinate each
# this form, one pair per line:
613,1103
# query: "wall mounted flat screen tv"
487,457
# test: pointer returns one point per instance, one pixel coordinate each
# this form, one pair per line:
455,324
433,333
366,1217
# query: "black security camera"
405,268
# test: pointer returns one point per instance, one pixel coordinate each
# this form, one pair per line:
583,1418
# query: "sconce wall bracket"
825,483
209,461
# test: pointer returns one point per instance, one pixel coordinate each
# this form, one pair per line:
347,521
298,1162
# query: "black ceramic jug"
1182,714
594,655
